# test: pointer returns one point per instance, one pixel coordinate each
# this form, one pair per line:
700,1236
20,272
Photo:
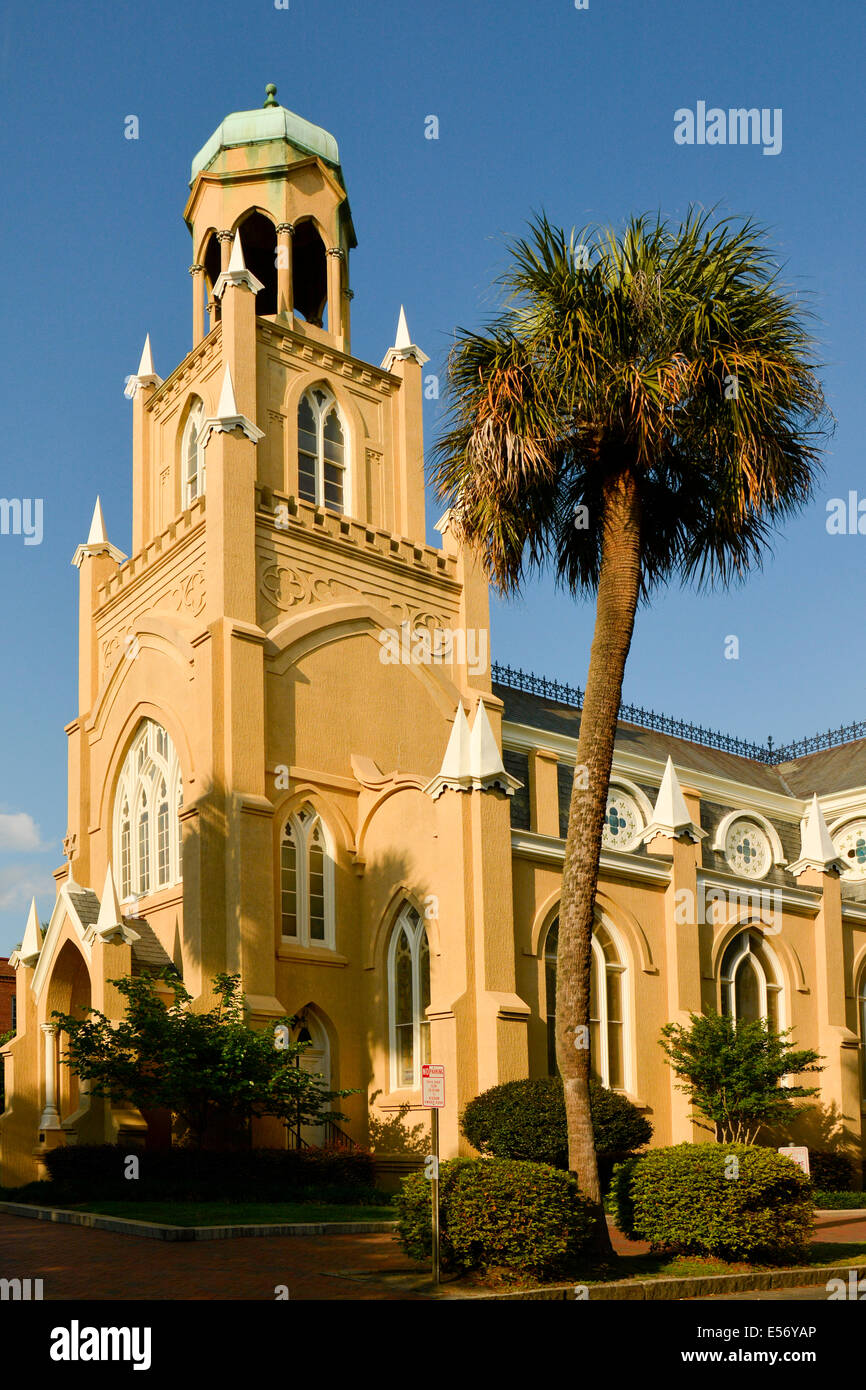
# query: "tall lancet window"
408,999
322,475
192,454
307,881
146,805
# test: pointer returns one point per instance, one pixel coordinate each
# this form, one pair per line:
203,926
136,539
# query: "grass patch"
234,1213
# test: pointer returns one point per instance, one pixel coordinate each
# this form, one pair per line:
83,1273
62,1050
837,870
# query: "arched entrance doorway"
68,993
316,1059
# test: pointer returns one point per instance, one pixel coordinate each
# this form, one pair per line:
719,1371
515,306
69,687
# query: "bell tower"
276,179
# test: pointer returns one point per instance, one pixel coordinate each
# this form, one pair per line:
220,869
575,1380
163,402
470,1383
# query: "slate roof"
147,953
538,712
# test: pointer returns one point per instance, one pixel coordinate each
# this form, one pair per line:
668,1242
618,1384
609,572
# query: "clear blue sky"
540,105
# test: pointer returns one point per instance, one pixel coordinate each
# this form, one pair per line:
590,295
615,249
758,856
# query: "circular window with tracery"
623,822
851,844
747,849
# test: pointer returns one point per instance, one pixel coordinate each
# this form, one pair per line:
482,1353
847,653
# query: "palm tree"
661,379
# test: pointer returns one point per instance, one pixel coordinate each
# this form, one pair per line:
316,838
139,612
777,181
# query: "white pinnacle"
110,918
484,759
815,842
455,764
227,408
237,262
145,366
402,340
97,534
32,943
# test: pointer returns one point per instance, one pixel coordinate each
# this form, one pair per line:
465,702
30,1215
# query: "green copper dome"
269,122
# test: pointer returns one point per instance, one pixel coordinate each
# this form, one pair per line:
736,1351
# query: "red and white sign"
798,1155
432,1086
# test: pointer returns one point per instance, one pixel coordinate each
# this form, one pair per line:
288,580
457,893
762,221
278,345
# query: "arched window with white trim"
608,1045
146,804
322,473
307,881
408,999
751,985
192,455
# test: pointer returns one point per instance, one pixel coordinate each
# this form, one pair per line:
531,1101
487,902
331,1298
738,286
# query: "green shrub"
526,1120
692,1199
839,1201
88,1172
833,1172
526,1217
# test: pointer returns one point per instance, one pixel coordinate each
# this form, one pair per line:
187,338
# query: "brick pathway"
78,1263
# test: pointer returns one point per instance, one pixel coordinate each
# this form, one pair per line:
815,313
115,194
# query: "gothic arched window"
751,984
322,477
408,999
306,881
192,456
607,1042
146,804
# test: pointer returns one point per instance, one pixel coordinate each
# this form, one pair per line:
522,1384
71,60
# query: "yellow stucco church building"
292,759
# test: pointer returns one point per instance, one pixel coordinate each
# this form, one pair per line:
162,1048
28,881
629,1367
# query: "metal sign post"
433,1097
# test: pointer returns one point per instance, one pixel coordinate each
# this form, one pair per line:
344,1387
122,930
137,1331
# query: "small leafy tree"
732,1071
210,1069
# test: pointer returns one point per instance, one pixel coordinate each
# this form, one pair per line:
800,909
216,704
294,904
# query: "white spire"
472,760
227,417
236,261
28,951
403,347
817,850
671,814
227,407
97,542
97,534
110,919
145,366
484,758
236,273
402,340
455,764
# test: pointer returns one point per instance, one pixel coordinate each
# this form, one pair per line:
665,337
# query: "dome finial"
271,95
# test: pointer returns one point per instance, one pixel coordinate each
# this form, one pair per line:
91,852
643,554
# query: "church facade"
290,759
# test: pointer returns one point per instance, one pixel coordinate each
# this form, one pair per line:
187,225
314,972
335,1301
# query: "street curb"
153,1230
660,1290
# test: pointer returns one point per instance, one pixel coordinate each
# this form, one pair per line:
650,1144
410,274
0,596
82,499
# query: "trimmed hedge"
691,1199
526,1217
526,1120
88,1172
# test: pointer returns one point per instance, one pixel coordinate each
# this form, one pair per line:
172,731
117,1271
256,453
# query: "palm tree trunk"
618,590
